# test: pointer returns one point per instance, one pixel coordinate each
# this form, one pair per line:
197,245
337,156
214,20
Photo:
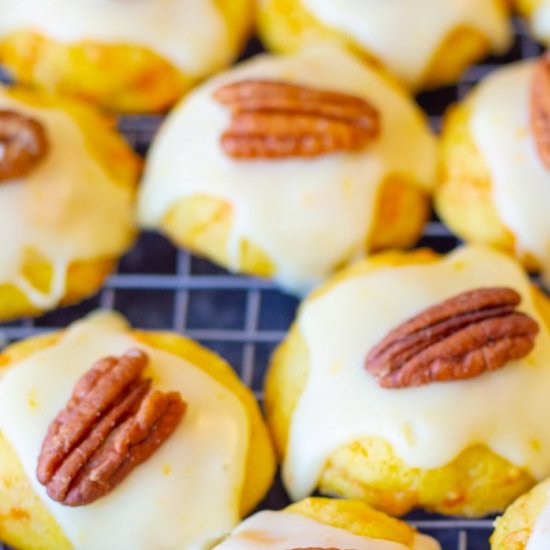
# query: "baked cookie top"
185,495
66,192
415,401
307,213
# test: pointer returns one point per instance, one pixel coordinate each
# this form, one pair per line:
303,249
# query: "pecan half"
540,108
273,119
112,423
457,339
23,144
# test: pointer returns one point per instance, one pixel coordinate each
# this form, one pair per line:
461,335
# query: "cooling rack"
159,287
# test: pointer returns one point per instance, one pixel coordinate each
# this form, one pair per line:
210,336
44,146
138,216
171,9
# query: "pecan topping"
459,338
272,119
112,423
23,144
540,108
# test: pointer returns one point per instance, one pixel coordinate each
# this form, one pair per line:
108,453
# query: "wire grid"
157,286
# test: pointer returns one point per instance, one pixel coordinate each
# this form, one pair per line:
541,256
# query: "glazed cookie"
147,435
426,43
301,164
326,523
538,14
138,56
526,523
495,167
67,184
380,393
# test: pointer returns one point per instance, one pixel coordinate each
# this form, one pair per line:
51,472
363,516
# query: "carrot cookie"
382,389
67,183
495,169
425,43
116,438
326,523
288,167
138,56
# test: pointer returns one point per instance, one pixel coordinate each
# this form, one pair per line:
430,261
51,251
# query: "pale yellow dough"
464,198
476,482
354,516
119,76
24,520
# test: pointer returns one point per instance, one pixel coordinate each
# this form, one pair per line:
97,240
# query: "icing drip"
427,426
406,34
327,204
45,300
167,502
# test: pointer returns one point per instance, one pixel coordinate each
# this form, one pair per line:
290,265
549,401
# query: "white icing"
540,536
520,182
187,495
67,209
427,426
283,530
540,21
192,34
406,34
45,299
307,215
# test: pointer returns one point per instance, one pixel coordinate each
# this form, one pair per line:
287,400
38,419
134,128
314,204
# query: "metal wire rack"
157,286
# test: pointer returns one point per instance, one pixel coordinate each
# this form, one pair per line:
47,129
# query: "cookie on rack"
138,56
326,523
425,43
495,169
67,186
380,390
288,167
538,16
526,523
117,438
